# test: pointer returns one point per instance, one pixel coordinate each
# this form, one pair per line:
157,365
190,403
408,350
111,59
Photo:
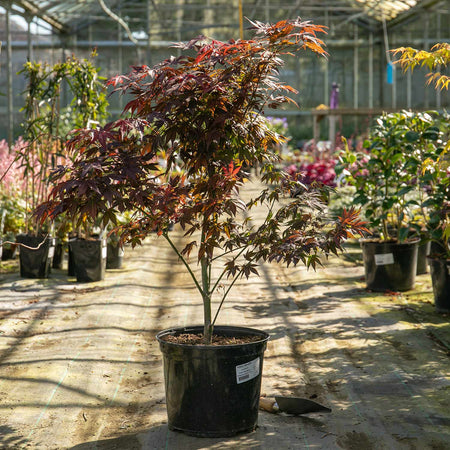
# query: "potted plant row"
436,172
203,112
402,183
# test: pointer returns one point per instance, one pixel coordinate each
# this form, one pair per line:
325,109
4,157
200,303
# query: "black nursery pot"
114,255
58,257
88,259
440,277
35,262
9,251
422,252
213,391
390,265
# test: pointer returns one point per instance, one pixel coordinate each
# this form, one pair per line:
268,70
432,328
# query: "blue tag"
390,73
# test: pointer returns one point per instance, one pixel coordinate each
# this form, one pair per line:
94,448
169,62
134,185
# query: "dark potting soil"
197,339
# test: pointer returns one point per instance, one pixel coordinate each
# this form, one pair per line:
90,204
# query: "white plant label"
51,252
247,371
384,259
104,250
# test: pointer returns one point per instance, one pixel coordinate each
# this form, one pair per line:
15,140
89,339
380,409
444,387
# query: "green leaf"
405,190
412,136
396,158
403,234
431,134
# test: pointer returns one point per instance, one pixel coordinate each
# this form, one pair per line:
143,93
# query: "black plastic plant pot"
422,252
70,262
213,391
58,257
88,259
36,258
9,251
390,265
114,255
440,278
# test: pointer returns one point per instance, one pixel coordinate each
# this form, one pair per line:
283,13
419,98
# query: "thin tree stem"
225,294
172,245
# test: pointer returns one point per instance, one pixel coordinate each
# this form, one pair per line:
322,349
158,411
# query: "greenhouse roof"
68,16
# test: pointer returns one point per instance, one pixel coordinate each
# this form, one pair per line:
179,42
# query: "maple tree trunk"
206,297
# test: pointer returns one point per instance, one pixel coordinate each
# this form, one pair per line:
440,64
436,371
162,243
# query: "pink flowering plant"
12,190
320,171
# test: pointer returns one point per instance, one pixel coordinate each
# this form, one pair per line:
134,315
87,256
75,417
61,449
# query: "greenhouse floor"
80,367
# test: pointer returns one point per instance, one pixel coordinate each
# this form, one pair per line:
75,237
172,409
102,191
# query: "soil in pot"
440,277
36,258
213,390
390,265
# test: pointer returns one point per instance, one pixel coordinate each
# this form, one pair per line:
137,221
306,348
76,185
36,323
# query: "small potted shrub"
423,141
435,173
386,191
439,232
204,112
435,181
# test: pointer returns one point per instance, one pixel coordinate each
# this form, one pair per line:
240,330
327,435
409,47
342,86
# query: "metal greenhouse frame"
127,32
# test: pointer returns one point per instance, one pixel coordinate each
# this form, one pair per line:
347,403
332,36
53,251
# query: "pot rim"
264,336
437,258
409,241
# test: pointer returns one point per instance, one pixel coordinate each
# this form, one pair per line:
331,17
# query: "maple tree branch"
225,295
225,271
186,264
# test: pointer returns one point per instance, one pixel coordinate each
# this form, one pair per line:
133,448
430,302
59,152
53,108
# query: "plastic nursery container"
390,265
213,391
36,258
88,259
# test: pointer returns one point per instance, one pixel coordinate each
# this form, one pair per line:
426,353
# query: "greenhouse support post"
9,75
371,70
355,68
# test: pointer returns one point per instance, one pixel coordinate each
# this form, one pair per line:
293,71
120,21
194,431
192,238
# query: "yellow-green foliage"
438,57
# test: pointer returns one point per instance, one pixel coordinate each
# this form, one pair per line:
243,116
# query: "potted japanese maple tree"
204,111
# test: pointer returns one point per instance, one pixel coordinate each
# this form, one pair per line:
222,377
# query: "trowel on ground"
291,405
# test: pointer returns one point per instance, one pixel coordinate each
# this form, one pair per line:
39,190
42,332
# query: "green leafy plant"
44,130
435,165
434,178
402,180
385,175
427,166
204,112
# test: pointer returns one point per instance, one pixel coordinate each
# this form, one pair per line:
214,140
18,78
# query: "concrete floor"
80,367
